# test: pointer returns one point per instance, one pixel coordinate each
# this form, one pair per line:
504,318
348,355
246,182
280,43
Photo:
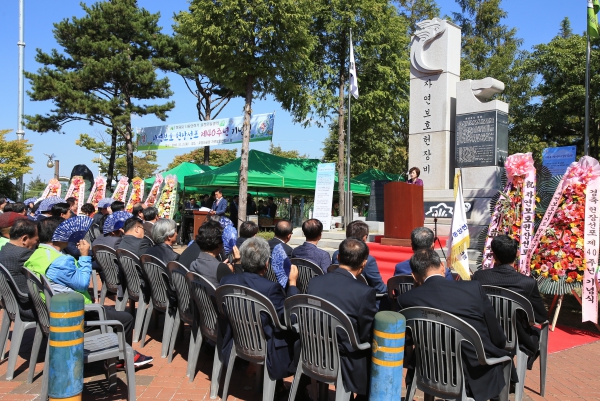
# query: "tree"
557,118
211,97
104,71
218,157
144,166
416,11
565,28
290,154
35,188
379,117
15,160
491,49
258,47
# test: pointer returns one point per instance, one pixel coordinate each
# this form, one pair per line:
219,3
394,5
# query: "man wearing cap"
45,208
103,206
6,222
112,230
22,243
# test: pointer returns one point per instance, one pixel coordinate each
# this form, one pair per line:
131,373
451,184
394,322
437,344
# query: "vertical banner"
527,222
589,291
459,239
324,194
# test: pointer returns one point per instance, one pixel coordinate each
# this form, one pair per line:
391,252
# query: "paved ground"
571,376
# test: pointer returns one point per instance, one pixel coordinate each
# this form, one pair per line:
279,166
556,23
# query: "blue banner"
558,159
205,133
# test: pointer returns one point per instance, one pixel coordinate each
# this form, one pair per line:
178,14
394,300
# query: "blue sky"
536,22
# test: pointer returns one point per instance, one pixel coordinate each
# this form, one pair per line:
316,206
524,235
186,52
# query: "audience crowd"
49,239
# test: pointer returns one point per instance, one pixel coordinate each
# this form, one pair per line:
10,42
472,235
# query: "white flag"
459,239
353,80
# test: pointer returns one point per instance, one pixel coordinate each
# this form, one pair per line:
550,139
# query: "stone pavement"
570,375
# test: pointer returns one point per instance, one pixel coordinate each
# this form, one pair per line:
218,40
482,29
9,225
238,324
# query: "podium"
403,211
199,218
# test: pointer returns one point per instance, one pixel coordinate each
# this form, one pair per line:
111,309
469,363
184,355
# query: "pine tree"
103,74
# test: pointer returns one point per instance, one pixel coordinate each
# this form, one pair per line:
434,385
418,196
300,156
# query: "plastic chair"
506,303
204,295
132,275
332,267
109,262
96,347
3,329
90,237
438,338
186,310
306,271
317,321
149,239
270,274
10,296
162,299
399,285
242,306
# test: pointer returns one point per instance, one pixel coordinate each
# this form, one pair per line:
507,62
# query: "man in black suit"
248,229
164,236
280,345
133,239
356,300
465,300
283,234
505,275
150,217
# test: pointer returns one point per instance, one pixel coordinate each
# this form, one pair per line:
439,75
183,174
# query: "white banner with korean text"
324,193
205,133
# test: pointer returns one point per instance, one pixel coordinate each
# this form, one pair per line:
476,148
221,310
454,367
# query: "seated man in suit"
505,275
360,230
280,345
150,218
420,238
22,243
283,234
219,206
312,229
465,300
356,300
248,229
133,237
210,243
164,235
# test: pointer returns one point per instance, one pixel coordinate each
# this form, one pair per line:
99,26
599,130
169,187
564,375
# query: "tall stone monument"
434,73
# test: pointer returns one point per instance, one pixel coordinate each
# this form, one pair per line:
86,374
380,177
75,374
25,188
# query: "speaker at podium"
403,211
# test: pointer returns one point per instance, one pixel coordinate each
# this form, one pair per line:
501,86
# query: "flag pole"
349,209
586,144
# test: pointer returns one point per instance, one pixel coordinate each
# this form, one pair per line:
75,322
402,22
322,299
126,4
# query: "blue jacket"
67,272
221,207
403,268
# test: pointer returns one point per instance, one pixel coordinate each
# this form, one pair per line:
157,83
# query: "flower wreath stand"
514,213
564,252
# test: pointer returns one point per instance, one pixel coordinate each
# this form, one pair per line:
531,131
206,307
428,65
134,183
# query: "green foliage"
379,117
144,164
218,157
35,188
290,154
565,28
105,68
14,157
416,11
268,235
557,118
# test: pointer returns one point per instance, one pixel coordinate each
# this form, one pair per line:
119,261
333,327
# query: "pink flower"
518,164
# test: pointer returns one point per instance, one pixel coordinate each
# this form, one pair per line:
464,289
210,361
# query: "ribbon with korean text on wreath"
564,252
514,213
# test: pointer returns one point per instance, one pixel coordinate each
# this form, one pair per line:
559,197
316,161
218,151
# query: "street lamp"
52,162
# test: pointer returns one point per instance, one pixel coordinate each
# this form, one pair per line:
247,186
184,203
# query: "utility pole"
21,45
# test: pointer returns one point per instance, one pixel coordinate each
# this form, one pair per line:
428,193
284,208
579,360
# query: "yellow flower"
557,265
569,280
579,277
555,277
545,274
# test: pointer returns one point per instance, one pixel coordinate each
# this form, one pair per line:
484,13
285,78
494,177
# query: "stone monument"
434,73
453,126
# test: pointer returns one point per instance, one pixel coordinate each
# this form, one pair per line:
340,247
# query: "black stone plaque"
481,139
376,200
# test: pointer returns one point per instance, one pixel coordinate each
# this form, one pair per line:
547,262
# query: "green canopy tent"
183,170
373,175
267,173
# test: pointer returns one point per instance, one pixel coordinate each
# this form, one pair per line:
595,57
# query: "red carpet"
564,337
388,256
